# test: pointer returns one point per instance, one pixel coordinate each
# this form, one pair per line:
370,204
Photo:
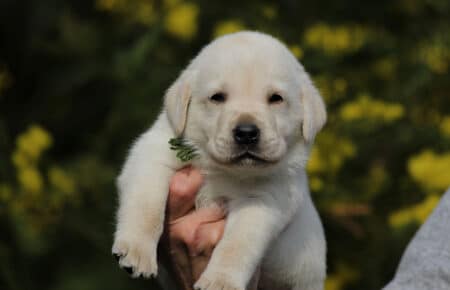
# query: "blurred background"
79,80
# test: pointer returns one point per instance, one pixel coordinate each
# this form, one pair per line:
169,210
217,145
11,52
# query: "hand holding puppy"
192,235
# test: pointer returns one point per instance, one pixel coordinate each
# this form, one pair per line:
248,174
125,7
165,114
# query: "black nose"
246,134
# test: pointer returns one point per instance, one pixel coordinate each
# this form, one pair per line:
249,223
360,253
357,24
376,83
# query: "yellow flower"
145,12
400,218
385,67
61,180
445,126
422,211
377,178
142,11
30,179
315,163
171,3
107,5
228,26
20,160
329,153
325,89
351,111
296,50
40,137
335,40
431,170
269,11
181,21
331,89
333,283
414,214
33,141
340,85
436,56
368,108
5,192
340,277
316,183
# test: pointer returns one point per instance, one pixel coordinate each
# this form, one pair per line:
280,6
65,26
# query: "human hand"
192,234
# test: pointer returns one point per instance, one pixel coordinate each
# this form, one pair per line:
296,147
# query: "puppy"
251,112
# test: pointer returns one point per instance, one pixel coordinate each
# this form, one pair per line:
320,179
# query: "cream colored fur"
271,220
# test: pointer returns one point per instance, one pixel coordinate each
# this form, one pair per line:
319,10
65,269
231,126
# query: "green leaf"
185,152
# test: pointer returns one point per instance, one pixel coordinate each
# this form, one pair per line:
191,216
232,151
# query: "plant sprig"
185,151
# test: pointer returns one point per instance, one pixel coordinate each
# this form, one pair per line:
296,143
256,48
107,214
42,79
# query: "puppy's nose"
246,134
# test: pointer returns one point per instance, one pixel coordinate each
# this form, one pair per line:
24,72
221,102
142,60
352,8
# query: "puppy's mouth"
243,156
249,158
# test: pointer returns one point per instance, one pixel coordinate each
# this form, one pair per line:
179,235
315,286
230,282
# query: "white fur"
272,221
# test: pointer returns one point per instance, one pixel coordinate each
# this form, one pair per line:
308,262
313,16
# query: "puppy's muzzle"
246,134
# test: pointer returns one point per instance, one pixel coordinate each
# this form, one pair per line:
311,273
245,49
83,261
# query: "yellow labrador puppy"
251,112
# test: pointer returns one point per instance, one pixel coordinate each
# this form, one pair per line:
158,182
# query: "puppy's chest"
215,191
218,190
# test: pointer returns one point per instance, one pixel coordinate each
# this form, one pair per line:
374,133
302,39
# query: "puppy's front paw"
218,281
136,256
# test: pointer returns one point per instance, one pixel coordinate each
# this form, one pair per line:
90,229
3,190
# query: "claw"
117,256
129,270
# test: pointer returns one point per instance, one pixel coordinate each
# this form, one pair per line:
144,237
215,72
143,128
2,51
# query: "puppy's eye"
218,98
275,99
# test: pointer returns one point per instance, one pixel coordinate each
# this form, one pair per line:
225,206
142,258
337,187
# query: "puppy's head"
245,101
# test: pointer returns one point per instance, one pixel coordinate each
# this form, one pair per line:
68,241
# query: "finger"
198,266
181,265
203,215
184,229
182,190
206,238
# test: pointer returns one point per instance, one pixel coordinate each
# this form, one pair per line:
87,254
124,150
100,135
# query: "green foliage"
79,80
185,152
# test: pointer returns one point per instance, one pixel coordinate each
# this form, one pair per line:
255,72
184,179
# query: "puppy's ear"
176,101
314,112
